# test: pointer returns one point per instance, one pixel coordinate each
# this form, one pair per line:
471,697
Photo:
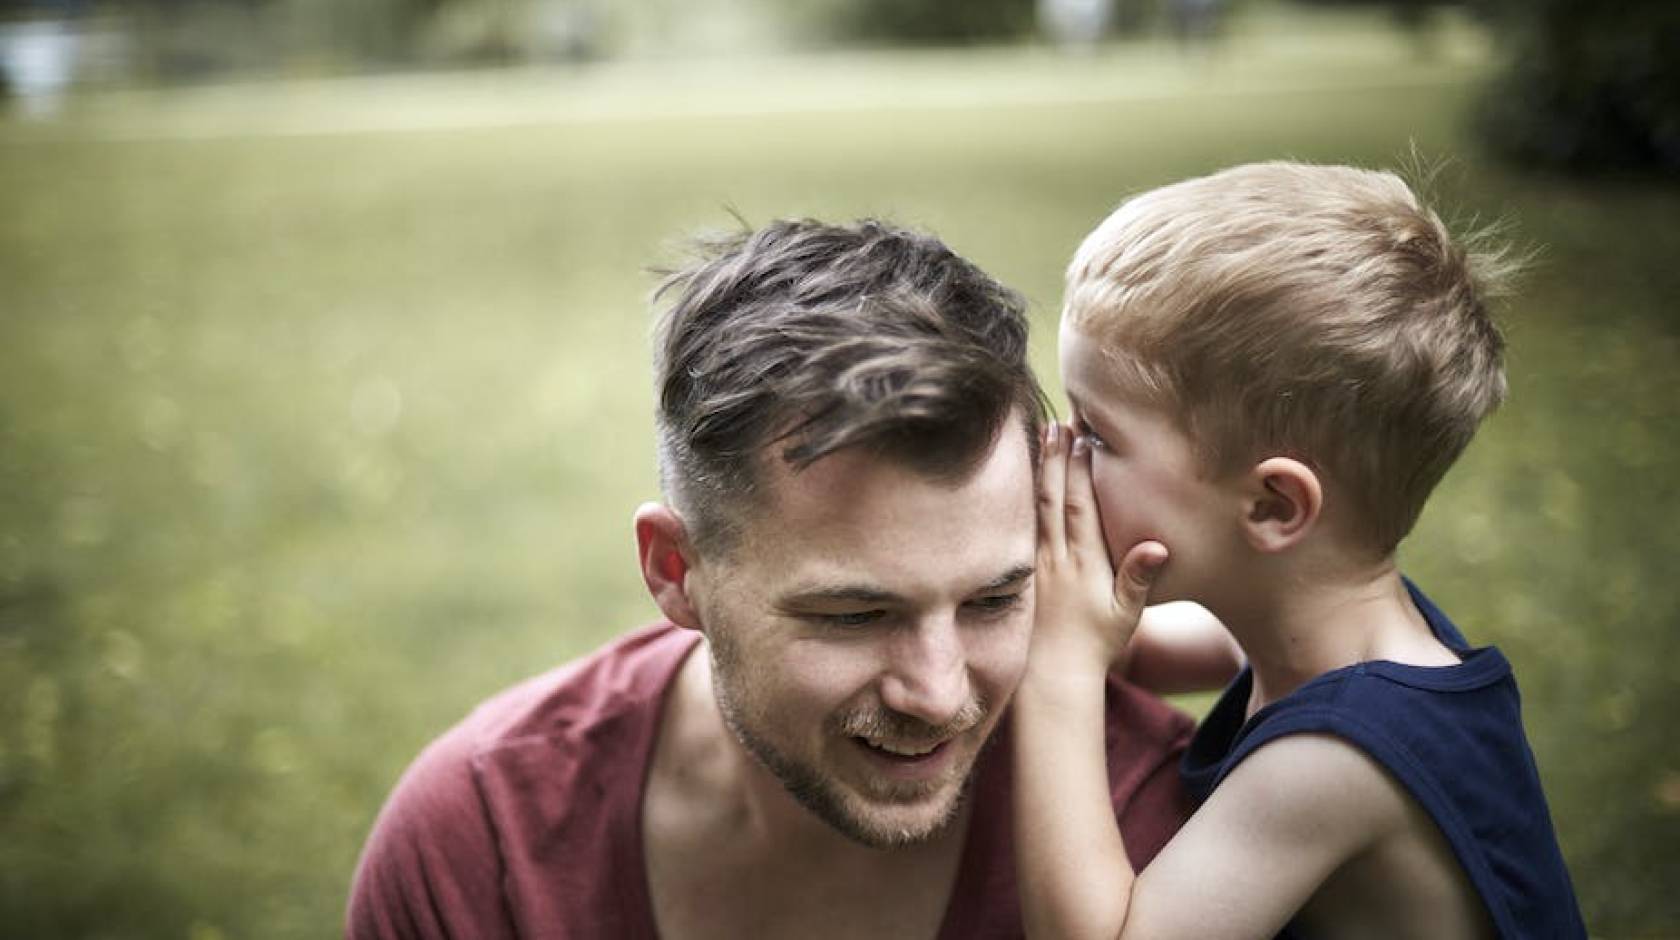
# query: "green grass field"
324,408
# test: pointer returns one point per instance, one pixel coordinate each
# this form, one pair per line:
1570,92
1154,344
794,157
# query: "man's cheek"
998,661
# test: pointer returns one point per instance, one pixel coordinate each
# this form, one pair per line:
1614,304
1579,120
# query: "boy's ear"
1285,499
666,557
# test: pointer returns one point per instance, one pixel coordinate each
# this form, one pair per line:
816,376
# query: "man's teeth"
903,750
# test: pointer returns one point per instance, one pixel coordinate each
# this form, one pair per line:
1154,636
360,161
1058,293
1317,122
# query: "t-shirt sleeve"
430,869
1147,738
1155,812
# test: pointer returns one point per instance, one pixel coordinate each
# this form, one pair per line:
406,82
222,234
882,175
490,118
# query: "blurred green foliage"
314,434
1587,86
196,39
931,22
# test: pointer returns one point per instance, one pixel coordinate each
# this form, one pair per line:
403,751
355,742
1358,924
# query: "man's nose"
926,676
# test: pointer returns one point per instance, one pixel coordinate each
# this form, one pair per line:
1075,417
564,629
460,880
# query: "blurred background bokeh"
324,395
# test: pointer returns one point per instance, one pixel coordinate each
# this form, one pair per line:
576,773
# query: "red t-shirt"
525,819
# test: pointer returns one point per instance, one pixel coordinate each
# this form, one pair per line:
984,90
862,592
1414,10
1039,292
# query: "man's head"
801,339
848,430
1316,313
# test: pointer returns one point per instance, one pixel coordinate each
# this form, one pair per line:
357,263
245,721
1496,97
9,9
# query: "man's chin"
888,810
903,833
876,806
895,819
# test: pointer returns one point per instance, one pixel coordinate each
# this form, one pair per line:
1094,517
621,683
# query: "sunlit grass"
312,434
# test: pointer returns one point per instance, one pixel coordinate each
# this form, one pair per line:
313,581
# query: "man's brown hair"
802,338
1320,312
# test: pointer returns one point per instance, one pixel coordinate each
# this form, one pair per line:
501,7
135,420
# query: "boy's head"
1316,313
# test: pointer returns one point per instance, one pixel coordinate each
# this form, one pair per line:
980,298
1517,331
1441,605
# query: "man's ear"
666,556
1285,499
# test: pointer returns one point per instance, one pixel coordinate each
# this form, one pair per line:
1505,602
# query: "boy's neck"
1307,627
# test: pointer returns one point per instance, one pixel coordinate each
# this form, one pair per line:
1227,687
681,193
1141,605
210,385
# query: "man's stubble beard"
815,791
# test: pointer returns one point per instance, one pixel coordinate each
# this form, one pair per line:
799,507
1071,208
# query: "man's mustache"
885,724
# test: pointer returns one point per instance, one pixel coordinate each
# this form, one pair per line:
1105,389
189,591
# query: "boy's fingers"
1052,476
1135,575
1084,526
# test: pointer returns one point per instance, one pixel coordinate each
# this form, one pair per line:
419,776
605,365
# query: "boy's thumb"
1137,574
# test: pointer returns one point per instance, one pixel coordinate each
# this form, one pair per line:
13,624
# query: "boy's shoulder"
1448,740
1309,830
1347,844
1425,725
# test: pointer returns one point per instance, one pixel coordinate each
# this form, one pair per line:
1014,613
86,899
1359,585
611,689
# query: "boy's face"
1148,482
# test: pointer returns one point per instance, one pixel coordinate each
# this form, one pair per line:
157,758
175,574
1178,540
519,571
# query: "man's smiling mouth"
901,750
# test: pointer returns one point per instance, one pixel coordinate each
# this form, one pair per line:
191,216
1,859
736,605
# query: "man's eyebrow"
829,593
1008,578
867,594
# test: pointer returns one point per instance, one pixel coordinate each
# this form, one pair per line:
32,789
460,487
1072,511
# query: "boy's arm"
1251,856
1180,647
1264,842
1074,876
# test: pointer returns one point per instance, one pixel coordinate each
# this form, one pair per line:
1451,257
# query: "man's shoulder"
558,712
1146,739
1142,722
545,762
627,674
555,725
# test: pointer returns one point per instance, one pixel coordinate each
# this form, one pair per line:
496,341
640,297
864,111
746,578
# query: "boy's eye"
1088,433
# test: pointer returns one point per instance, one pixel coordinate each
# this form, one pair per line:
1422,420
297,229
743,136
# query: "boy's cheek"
1114,513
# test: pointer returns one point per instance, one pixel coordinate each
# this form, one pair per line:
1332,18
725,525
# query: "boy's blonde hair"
1317,312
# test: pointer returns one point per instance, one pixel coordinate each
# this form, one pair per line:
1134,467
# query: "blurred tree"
45,9
1413,16
184,38
1587,85
931,22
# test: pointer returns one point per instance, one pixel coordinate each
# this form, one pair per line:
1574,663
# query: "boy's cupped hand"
1086,609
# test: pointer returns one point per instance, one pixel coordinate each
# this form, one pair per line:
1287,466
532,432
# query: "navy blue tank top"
1453,737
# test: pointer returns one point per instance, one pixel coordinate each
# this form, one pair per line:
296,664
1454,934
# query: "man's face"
868,629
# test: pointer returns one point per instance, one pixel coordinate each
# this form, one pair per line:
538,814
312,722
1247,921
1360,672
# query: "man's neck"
1296,629
730,852
766,812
